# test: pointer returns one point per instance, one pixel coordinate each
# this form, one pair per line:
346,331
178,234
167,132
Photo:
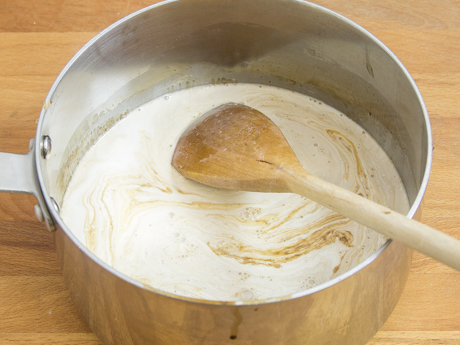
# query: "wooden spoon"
237,147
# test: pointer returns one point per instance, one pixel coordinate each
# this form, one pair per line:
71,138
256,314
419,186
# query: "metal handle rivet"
55,205
45,146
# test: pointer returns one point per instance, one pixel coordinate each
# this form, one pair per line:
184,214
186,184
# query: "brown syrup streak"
110,225
274,257
336,268
346,143
290,216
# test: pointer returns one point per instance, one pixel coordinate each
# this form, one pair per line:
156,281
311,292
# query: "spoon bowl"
235,147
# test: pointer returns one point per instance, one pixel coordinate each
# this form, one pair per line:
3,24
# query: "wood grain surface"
37,39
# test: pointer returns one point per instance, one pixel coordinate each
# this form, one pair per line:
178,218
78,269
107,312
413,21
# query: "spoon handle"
392,224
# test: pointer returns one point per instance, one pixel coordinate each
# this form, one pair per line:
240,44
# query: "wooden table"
37,38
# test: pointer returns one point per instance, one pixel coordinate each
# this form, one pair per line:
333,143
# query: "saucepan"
174,45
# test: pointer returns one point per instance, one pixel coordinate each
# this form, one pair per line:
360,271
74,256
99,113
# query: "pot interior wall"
177,45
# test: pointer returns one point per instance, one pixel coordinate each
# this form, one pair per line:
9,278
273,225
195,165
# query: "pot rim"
416,204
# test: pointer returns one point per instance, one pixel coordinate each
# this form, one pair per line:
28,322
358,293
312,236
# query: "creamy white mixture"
138,214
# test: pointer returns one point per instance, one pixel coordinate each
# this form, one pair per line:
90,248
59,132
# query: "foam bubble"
246,295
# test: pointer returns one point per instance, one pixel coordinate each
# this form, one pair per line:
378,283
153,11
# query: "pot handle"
18,174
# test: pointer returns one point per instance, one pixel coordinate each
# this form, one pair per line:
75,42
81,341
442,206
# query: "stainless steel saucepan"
180,44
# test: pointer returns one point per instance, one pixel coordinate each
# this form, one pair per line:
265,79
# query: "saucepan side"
180,44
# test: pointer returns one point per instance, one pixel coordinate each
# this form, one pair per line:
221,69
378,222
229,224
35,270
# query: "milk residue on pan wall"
135,212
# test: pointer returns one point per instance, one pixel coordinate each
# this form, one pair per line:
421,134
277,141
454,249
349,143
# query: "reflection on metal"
45,146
